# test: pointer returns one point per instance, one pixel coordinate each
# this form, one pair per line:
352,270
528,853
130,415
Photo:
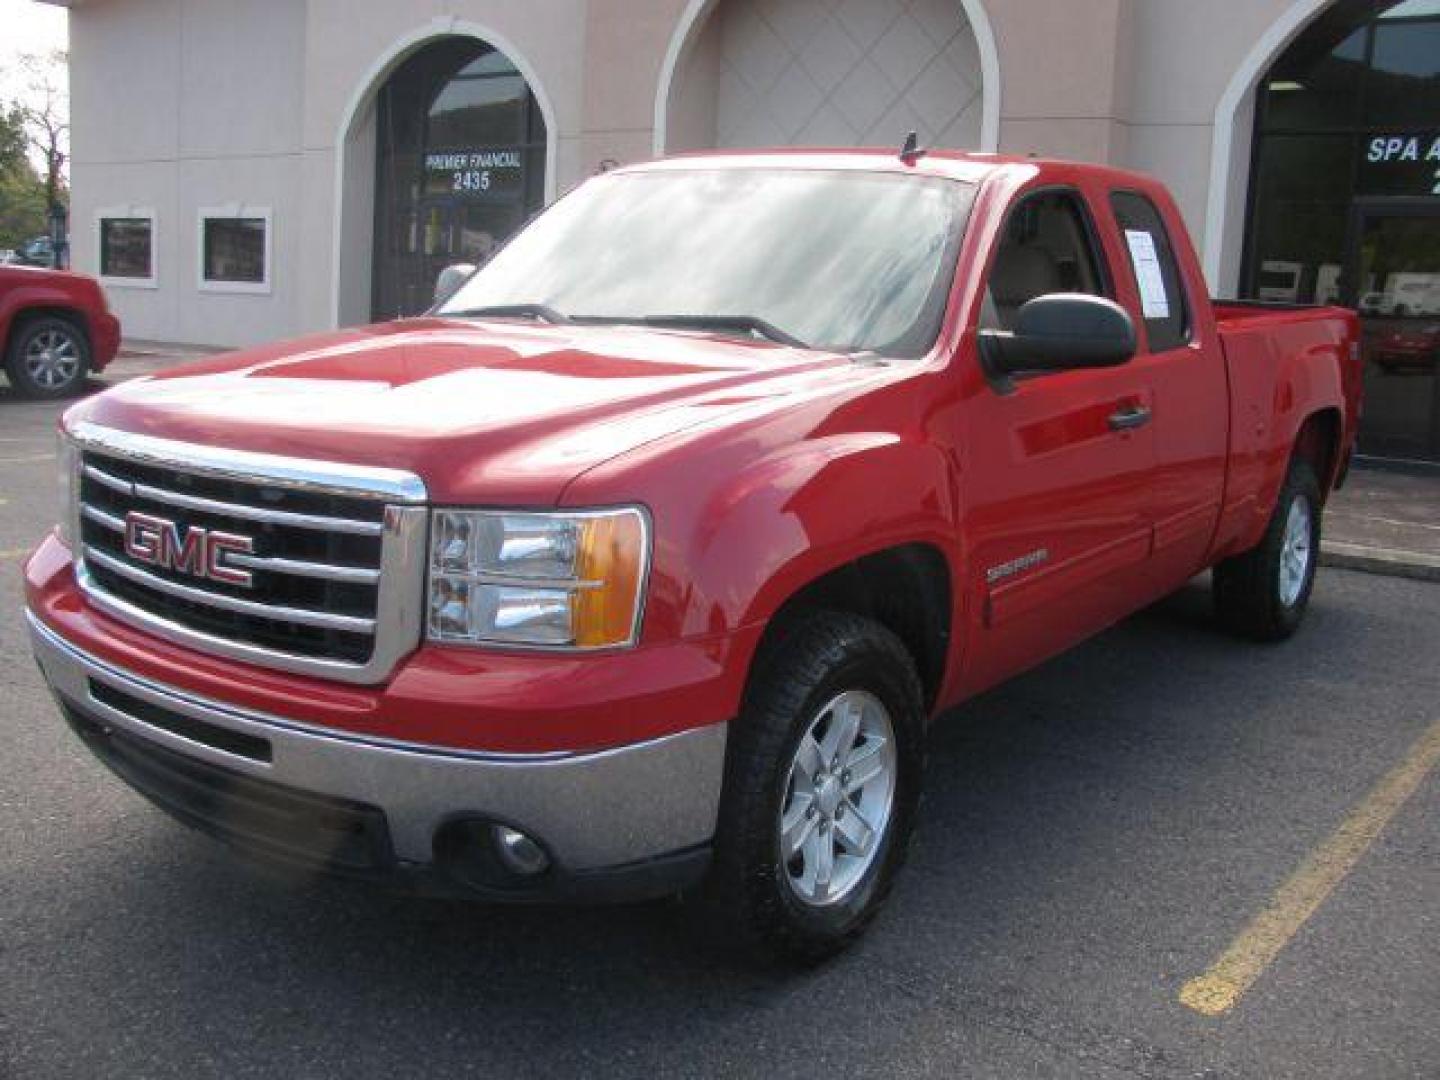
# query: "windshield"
847,261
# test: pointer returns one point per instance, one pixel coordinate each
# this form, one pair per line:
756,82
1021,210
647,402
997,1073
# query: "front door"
1395,255
1058,466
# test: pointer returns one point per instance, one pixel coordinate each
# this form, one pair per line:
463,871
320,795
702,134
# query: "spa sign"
1400,163
474,173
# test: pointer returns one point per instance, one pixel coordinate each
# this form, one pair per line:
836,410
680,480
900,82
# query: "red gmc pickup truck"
55,329
645,559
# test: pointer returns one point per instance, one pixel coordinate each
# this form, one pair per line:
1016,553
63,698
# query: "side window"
1157,276
1048,247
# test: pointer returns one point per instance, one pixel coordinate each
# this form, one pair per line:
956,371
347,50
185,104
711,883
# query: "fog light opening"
519,853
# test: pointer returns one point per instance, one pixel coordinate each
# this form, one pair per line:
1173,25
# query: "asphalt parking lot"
1097,836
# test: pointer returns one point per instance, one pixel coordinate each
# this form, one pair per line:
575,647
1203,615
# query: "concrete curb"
1374,560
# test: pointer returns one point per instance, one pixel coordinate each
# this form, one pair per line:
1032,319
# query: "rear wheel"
822,783
49,357
1263,593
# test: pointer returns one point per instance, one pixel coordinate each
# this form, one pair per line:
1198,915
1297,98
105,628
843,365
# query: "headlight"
558,580
67,465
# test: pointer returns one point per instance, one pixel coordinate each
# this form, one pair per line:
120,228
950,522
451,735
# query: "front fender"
16,300
804,510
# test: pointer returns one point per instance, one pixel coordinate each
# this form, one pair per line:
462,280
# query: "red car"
643,563
1412,347
56,329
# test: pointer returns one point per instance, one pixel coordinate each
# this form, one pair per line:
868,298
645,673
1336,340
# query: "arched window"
461,166
1345,203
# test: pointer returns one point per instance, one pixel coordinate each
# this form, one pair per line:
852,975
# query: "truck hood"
483,412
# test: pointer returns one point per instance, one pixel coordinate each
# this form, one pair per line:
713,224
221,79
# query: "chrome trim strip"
137,490
400,605
258,513
100,517
278,613
593,810
350,575
114,483
301,474
400,578
174,632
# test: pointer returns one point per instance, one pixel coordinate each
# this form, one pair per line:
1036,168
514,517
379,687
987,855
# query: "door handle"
1129,418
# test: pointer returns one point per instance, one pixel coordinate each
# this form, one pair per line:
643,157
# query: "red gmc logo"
186,550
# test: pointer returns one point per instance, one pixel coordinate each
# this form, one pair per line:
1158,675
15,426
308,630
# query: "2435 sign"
1405,163
476,173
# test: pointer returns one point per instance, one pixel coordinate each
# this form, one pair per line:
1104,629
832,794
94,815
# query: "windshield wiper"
543,312
747,324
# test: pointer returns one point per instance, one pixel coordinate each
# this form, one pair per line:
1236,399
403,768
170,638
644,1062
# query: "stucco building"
246,171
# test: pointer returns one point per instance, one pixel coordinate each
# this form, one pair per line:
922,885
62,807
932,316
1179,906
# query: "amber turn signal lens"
610,565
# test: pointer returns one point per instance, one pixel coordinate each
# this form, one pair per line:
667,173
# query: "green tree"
22,188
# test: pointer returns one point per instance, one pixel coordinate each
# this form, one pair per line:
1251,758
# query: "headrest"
1023,273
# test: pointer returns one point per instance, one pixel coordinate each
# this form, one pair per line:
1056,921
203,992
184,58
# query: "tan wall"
180,104
1058,64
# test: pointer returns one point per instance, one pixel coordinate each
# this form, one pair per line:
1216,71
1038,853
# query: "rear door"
1184,369
1058,466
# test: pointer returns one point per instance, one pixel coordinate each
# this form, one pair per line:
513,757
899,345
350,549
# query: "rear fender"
1281,398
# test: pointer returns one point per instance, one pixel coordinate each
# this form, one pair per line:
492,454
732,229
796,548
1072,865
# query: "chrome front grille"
324,568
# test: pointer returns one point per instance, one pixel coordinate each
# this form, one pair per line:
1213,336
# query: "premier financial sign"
476,173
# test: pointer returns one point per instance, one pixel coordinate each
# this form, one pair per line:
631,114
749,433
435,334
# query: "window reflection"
1404,84
125,247
461,164
842,260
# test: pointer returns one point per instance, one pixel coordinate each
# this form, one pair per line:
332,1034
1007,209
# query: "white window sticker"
1153,302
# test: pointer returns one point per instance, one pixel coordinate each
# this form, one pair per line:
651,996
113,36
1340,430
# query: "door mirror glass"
450,279
1061,332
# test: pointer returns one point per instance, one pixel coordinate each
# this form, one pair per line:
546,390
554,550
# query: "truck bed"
1274,353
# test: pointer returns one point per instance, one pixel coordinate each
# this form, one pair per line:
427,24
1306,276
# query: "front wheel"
49,358
1263,593
822,783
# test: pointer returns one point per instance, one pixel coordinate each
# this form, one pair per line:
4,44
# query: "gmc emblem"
186,549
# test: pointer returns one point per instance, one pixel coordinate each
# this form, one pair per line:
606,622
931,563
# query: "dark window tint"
125,247
1316,85
235,250
1405,75
1157,275
1048,247
461,166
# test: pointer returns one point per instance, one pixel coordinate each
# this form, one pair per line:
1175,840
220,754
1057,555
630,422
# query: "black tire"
749,891
1250,598
66,340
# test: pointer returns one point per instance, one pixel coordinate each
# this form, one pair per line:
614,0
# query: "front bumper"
104,340
625,822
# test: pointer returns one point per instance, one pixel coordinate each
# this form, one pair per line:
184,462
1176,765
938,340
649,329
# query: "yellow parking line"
27,460
1217,991
16,553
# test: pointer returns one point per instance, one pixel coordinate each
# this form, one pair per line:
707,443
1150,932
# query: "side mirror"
450,279
1061,332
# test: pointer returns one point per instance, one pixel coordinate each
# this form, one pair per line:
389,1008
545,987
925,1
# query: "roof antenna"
911,150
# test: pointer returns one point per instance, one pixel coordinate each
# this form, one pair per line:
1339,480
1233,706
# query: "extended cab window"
1048,247
1157,276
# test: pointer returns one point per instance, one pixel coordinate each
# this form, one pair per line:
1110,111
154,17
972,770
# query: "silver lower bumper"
593,811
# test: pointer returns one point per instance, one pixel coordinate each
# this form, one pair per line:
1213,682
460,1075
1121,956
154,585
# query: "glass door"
1396,256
